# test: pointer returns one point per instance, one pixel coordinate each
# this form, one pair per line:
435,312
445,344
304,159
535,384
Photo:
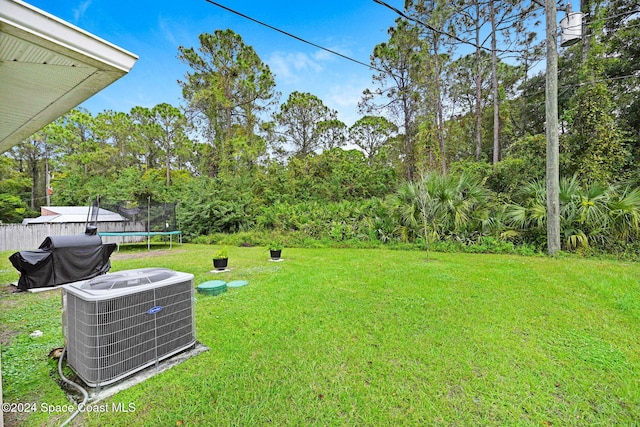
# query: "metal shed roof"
67,214
48,67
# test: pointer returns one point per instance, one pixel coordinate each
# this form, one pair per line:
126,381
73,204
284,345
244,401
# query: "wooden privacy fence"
18,237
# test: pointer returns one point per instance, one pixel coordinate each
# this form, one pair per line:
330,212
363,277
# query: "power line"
295,37
622,26
445,33
453,36
608,18
602,80
575,85
442,32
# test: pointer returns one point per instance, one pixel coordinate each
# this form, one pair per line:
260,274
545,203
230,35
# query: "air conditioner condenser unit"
120,323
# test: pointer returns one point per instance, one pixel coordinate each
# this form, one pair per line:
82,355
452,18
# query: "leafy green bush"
338,221
214,205
333,176
452,212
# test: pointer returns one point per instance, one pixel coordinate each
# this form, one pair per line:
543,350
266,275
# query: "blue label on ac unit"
154,310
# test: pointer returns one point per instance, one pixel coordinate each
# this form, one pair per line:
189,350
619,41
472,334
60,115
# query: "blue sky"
153,30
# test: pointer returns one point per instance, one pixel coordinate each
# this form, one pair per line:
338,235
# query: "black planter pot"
275,254
220,263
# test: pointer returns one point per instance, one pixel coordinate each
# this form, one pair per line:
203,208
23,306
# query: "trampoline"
144,219
147,234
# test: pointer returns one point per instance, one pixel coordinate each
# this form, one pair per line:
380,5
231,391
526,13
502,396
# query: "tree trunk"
439,115
167,160
585,8
523,104
168,167
478,88
494,81
409,144
553,174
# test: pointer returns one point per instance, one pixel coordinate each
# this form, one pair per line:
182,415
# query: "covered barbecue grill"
63,259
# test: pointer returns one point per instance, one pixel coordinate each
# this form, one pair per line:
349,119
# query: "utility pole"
553,145
47,173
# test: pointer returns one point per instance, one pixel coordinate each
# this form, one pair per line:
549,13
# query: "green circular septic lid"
212,287
237,283
211,284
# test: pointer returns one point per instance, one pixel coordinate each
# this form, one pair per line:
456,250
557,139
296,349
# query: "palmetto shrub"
597,215
443,206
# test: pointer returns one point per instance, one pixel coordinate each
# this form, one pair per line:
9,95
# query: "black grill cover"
62,259
35,267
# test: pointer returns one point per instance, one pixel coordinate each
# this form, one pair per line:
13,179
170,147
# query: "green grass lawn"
368,338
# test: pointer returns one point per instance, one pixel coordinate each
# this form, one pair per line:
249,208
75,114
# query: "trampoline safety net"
155,216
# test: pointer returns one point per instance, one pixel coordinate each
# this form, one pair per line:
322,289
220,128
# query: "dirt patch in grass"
147,254
5,295
12,419
8,289
5,303
6,335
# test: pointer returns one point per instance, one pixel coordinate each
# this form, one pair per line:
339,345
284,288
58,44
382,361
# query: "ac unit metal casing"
120,323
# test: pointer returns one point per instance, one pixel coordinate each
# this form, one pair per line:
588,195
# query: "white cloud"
323,55
326,56
79,12
344,98
292,67
324,75
165,27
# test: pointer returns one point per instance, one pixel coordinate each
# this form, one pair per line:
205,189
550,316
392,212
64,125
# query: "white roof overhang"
48,67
